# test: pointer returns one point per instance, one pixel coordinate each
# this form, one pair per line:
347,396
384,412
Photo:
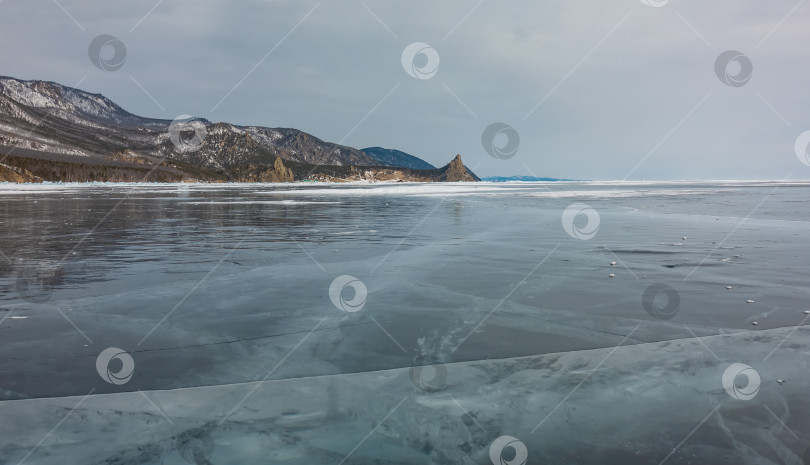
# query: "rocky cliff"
13,174
455,171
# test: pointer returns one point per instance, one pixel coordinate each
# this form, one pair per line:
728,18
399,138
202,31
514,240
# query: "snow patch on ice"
259,202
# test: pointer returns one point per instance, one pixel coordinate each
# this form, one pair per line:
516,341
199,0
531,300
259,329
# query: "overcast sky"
595,89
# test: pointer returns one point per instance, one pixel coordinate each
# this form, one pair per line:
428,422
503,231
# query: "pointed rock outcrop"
279,173
455,171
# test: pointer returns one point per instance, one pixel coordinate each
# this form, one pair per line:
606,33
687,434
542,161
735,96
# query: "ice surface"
625,405
544,190
211,288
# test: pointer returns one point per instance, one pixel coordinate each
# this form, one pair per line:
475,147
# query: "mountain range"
53,132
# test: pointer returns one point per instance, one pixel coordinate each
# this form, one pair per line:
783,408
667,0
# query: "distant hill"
53,132
524,179
391,157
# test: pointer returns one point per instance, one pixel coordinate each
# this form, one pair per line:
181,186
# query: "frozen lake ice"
238,339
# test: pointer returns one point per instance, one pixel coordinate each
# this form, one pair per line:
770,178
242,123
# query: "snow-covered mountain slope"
51,117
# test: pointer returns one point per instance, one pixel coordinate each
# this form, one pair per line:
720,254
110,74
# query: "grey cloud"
599,122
